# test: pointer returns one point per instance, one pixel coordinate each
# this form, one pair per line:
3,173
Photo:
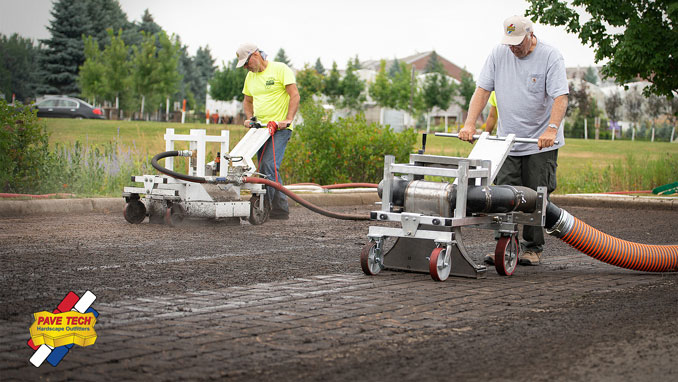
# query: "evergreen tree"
189,75
18,67
591,76
394,69
332,85
105,14
204,66
64,51
282,57
148,25
433,65
319,67
356,63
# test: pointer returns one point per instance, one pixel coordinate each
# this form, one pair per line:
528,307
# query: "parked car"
67,107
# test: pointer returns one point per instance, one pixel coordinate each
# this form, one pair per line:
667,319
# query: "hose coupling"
562,226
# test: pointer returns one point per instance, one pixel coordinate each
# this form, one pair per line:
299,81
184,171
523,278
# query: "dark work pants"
268,167
530,171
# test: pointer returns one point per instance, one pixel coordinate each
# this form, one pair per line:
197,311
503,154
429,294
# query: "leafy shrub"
24,148
349,150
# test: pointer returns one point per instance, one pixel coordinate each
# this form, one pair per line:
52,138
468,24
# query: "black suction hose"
277,186
174,174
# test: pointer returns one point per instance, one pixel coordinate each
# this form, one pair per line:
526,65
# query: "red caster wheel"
506,255
440,264
371,259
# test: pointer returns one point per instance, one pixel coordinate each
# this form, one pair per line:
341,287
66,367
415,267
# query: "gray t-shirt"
525,88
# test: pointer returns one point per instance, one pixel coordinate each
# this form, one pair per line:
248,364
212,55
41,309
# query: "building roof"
419,61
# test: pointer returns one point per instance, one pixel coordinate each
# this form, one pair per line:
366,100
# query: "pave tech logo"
71,323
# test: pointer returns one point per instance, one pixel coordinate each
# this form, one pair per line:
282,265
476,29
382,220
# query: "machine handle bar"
494,138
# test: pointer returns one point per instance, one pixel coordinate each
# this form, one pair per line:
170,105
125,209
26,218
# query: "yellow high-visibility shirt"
267,89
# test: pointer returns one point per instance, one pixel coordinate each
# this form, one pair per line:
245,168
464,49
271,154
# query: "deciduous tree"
352,89
227,83
309,82
645,47
91,74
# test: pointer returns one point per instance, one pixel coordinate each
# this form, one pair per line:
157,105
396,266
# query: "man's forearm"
249,108
478,102
558,110
294,106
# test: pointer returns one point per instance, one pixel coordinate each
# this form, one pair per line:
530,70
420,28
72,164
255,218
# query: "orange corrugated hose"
622,253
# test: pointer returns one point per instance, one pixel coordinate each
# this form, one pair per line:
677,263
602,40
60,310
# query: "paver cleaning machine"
430,215
210,190
219,189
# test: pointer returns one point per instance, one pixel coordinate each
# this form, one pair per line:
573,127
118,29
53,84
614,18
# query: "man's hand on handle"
466,133
548,138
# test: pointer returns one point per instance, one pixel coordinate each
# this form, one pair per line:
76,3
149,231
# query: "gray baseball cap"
244,52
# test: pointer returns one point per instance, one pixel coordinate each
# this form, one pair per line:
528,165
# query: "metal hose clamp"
562,226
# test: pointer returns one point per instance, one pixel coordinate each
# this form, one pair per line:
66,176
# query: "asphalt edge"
17,208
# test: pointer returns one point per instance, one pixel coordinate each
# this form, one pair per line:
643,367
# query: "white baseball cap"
244,52
515,30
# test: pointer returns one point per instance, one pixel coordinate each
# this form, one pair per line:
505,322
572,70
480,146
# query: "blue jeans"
266,166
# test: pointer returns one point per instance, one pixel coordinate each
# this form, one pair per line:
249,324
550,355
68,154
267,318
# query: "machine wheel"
371,260
134,212
440,264
506,255
257,215
174,215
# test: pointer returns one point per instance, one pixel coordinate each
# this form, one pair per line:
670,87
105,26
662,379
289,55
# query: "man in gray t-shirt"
529,79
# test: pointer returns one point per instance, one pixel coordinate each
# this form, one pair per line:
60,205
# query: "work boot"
529,258
489,259
279,215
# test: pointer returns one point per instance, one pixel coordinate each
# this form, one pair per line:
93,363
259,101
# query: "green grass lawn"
142,137
583,165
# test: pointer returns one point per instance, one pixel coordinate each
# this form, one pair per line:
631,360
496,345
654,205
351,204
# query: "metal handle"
494,138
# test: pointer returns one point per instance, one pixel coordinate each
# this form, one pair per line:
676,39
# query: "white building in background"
227,111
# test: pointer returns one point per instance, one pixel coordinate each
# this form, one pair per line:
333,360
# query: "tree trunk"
143,100
633,132
167,110
652,139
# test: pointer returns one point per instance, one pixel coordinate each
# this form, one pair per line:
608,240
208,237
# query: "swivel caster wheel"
174,215
134,212
506,255
371,259
440,264
257,214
